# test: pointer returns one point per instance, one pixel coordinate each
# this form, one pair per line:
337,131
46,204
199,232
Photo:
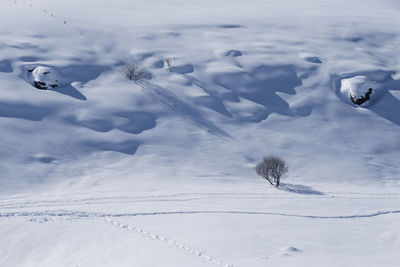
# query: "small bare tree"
133,72
272,168
168,62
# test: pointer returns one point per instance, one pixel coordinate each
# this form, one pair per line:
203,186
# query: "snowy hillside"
100,170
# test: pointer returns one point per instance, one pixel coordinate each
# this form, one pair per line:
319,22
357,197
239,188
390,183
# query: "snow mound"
45,77
183,69
289,251
233,53
313,59
360,89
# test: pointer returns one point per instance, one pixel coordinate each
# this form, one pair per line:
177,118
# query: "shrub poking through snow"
359,89
168,63
272,168
361,99
133,72
45,77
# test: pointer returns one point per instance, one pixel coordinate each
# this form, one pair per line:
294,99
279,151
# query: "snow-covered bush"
45,77
272,168
359,89
133,72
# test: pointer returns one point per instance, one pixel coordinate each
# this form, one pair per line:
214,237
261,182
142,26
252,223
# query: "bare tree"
168,62
272,168
133,72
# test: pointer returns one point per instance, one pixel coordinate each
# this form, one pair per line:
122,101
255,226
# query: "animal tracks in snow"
169,242
9,212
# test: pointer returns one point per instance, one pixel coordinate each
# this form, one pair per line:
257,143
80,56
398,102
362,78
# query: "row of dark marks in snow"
169,242
43,10
109,218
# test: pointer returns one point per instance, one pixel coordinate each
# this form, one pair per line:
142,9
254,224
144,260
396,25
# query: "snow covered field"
103,171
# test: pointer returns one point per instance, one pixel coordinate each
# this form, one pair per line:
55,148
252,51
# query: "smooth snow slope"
108,172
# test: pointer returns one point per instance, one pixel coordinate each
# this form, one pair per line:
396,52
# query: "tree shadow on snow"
299,189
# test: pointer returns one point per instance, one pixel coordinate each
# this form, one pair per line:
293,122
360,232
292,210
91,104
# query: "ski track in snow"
89,215
169,242
186,197
189,113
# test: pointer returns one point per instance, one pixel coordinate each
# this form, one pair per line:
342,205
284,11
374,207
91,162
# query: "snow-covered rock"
360,89
45,77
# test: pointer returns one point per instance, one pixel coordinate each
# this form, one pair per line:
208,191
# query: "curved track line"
185,110
83,214
8,203
11,200
169,242
126,200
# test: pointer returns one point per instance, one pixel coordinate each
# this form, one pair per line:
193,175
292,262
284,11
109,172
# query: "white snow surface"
103,171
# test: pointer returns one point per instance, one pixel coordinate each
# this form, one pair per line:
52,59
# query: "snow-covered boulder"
45,77
359,89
